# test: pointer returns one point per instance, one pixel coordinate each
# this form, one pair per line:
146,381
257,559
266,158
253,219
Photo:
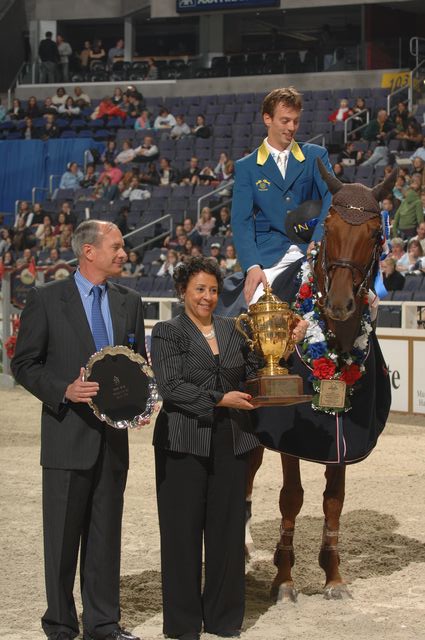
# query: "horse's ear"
384,188
333,183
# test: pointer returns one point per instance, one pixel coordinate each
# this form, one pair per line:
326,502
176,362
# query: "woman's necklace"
210,335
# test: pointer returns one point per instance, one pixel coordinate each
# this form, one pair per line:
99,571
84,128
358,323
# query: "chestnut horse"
342,272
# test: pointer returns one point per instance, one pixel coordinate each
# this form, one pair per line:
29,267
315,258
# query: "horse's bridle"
345,263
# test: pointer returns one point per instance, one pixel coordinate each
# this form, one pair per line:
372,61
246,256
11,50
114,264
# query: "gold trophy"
271,323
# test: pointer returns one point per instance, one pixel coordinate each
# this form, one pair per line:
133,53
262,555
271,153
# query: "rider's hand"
254,277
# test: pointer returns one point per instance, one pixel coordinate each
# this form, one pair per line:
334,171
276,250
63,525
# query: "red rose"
305,291
323,368
10,345
351,374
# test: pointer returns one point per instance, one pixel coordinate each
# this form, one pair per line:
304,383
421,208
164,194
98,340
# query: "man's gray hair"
88,232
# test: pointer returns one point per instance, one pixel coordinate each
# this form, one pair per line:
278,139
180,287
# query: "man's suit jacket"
262,198
186,372
54,342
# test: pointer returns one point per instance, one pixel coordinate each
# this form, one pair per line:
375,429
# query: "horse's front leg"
333,501
290,503
254,463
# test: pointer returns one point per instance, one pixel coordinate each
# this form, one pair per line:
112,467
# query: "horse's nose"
340,312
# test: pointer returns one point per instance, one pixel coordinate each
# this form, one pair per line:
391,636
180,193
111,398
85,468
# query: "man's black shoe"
118,634
61,635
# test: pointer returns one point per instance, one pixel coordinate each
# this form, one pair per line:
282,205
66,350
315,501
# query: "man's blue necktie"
98,326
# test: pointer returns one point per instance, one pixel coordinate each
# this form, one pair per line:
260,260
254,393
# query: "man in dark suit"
269,183
84,461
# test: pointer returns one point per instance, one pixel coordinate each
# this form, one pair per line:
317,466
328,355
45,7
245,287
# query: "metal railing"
417,49
318,136
164,234
34,193
221,187
407,89
52,178
359,128
15,83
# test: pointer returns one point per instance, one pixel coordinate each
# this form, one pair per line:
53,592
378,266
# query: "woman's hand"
236,400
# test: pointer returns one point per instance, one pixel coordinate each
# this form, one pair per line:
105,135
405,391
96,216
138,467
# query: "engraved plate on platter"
128,393
332,394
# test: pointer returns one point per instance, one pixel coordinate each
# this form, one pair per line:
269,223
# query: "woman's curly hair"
192,266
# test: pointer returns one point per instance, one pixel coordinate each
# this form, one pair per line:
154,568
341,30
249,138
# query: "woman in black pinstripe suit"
202,438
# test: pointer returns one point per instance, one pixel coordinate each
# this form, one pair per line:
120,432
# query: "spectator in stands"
135,192
222,227
25,259
29,131
65,239
399,188
5,241
206,222
50,129
49,58
387,205
180,129
69,109
408,216
177,241
350,153
201,129
132,92
207,176
117,96
398,253
165,121
379,128
38,214
188,246
190,231
190,175
220,168
90,177
230,259
48,240
380,156
8,259
147,151
116,52
418,167
51,259
180,243
3,112
16,112
105,190
152,73
420,152
215,252
32,110
196,251
122,220
72,177
342,112
360,112
170,263
81,99
338,170
97,53
48,108
24,213
69,214
110,152
150,176
167,175
393,279
412,138
61,223
143,121
65,52
415,253
109,169
127,154
106,109
136,106
60,97
46,225
85,57
420,235
129,174
402,112
133,268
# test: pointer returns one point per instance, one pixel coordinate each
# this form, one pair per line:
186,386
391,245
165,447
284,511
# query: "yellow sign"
395,80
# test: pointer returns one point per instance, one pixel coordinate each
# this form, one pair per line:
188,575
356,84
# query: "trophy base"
275,390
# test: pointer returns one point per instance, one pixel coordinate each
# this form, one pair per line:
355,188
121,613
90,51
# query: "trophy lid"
268,301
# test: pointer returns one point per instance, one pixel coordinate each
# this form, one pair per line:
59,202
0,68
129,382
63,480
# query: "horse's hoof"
337,592
284,593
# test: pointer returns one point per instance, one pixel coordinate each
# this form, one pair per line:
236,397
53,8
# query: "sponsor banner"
183,6
418,389
396,356
394,81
